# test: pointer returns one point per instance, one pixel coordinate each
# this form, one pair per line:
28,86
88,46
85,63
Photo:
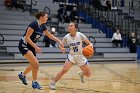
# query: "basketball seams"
87,51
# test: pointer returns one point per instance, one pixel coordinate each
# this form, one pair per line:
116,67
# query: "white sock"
34,81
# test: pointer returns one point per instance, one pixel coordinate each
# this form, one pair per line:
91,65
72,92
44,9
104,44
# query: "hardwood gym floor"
106,78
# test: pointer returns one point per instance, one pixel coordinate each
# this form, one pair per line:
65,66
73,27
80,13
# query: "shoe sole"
38,88
52,88
22,81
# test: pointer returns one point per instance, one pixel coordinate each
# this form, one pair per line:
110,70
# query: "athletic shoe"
22,78
80,73
52,86
36,85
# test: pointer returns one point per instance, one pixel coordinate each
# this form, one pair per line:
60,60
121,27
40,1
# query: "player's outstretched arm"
62,49
53,38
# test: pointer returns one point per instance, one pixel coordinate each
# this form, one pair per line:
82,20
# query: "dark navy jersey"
38,31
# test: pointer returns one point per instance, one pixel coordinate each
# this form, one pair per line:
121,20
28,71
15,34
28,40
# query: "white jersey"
75,43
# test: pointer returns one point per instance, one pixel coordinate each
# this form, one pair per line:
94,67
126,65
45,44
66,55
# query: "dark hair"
38,15
75,24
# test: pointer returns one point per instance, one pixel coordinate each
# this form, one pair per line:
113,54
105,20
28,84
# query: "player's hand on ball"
88,51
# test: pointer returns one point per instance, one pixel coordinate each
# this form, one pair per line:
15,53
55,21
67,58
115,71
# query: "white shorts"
77,59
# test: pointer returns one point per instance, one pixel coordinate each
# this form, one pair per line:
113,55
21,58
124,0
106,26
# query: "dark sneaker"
36,85
22,78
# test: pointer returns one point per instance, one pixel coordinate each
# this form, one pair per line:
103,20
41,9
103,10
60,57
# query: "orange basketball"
88,51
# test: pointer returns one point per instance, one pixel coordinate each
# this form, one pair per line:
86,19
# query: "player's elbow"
27,38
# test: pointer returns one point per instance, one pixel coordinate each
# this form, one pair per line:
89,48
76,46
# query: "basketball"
88,51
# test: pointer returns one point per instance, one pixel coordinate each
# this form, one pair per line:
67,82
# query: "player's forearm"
30,42
55,39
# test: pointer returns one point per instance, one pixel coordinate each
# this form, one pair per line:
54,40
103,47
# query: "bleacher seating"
13,25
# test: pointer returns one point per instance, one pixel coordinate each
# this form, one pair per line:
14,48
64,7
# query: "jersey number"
75,49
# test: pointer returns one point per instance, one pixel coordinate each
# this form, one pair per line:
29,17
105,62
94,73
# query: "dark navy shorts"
23,48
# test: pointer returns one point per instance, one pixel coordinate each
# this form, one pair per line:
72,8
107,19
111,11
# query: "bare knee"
35,65
32,59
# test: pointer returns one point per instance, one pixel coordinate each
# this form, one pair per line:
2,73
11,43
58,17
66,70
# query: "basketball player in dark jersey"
28,48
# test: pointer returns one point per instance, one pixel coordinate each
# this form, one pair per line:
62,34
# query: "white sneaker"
52,86
80,73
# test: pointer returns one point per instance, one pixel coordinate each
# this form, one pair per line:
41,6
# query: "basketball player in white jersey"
75,40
